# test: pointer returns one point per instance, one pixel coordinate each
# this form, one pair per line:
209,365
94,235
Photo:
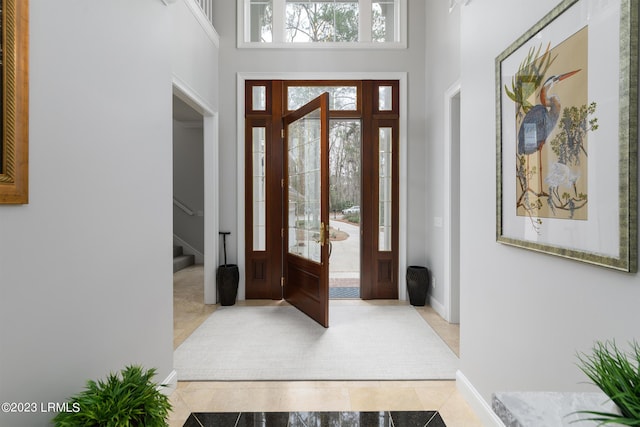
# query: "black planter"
417,284
227,278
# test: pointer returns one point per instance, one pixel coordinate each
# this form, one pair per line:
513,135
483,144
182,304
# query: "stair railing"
183,207
207,9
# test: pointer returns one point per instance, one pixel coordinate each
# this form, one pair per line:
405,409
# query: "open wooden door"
306,209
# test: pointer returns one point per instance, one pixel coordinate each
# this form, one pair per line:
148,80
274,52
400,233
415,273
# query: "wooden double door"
288,184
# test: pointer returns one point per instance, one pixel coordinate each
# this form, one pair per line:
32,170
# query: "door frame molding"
451,289
242,77
211,184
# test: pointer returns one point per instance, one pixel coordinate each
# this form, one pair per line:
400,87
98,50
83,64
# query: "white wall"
524,314
317,61
442,71
194,53
85,267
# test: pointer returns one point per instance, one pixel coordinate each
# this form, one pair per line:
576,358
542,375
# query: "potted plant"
618,376
130,399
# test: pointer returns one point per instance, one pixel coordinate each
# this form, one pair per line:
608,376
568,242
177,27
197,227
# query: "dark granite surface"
316,419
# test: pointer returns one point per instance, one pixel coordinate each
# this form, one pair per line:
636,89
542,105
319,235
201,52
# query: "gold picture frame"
14,69
559,191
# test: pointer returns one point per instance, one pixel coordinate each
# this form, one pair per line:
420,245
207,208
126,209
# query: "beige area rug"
363,342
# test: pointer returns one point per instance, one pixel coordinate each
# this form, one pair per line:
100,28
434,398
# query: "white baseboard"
170,383
439,308
479,406
188,249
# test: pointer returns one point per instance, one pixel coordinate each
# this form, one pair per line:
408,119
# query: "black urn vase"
227,278
417,284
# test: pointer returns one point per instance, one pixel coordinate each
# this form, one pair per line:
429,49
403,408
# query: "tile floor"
291,396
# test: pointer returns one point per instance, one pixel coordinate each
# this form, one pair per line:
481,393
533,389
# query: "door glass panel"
259,98
384,189
304,147
385,98
341,98
259,189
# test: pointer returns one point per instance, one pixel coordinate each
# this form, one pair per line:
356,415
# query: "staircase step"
182,261
177,251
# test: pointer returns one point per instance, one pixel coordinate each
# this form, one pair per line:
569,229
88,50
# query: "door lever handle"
322,236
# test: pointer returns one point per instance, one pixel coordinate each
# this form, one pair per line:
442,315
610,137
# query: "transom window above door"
322,23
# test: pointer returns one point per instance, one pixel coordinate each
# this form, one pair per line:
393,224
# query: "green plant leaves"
618,376
130,399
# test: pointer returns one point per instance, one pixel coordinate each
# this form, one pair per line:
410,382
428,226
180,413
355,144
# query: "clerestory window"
322,23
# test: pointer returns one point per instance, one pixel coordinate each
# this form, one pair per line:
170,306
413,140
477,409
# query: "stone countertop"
549,409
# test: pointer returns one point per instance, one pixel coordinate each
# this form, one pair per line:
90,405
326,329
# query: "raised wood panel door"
306,209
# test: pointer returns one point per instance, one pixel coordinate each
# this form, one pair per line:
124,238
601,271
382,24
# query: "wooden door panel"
264,264
258,277
307,295
385,287
380,261
258,269
306,279
306,209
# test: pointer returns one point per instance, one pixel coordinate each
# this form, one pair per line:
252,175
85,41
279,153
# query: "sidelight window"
385,188
259,189
259,98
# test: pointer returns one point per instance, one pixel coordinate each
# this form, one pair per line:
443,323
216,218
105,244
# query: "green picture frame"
567,173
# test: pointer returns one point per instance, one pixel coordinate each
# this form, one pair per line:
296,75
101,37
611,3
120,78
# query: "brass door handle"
323,233
322,236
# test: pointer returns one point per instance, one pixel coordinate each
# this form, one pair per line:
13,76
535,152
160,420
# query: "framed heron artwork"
14,101
567,116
